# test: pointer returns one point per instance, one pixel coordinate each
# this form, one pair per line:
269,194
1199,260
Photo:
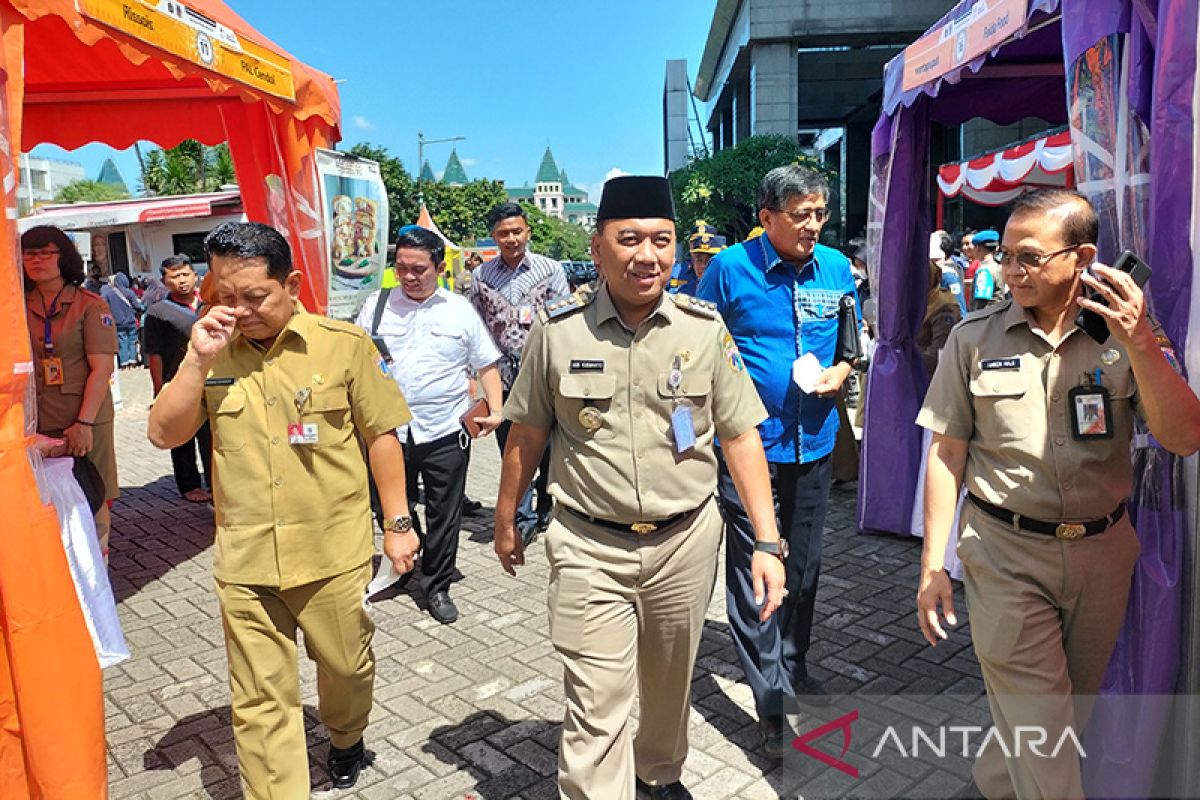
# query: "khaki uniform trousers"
1045,615
627,613
264,678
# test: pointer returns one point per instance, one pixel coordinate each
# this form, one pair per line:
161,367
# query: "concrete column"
742,100
776,89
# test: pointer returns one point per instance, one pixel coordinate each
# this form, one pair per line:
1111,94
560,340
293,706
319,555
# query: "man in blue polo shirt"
779,294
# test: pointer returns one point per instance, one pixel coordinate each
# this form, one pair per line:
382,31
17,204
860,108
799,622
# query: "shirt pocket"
696,389
227,406
818,304
577,392
448,344
330,410
1001,413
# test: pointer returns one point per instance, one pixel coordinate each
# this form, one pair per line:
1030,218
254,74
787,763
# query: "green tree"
187,168
85,191
555,237
723,189
397,182
461,211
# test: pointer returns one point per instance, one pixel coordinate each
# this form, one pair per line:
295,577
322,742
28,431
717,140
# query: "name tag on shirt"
218,381
302,433
587,364
1000,363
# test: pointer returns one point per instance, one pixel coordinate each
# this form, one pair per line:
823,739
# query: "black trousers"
528,515
183,461
773,653
441,467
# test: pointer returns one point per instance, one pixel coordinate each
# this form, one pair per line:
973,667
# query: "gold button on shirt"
618,461
289,514
1016,417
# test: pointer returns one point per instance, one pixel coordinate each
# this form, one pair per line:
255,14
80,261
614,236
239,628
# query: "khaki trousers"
264,680
627,614
1045,615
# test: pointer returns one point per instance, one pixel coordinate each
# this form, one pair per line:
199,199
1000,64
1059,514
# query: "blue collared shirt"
777,313
683,279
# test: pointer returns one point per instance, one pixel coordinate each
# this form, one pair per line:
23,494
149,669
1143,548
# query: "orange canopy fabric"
67,78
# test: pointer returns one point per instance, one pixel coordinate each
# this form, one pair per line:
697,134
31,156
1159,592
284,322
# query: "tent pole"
941,210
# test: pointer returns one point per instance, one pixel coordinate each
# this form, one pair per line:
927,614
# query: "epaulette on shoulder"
339,326
985,313
567,304
701,308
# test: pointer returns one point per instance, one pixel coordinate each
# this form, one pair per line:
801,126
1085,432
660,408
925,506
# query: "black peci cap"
636,197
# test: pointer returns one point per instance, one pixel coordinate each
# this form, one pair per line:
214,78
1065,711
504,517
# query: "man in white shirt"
433,338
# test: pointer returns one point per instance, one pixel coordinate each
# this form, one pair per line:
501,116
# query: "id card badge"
683,427
300,433
52,371
1091,413
525,315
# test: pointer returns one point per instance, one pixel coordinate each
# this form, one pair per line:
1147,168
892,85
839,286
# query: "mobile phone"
1092,323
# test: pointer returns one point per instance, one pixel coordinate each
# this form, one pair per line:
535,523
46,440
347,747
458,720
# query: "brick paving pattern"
471,710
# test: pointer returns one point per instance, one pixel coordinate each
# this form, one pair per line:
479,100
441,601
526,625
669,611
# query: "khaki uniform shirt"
627,469
81,325
289,514
1002,385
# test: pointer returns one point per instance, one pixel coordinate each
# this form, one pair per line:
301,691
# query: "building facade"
554,194
803,69
42,178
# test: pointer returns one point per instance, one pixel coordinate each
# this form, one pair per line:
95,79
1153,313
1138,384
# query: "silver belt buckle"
1070,531
643,528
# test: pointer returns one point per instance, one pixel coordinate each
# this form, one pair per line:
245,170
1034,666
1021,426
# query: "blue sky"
585,78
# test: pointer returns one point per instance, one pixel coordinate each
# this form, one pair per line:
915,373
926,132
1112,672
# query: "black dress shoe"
345,765
670,791
777,736
810,692
442,608
470,506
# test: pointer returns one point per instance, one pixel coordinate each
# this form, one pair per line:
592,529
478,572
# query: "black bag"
849,346
90,481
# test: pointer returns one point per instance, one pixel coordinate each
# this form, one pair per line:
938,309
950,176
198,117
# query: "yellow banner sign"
179,30
985,26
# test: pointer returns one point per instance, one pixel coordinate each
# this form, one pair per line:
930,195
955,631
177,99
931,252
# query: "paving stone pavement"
470,710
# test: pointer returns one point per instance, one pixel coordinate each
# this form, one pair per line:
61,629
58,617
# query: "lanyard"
47,341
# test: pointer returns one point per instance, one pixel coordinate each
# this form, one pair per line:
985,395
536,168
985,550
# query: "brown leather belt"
1062,530
634,528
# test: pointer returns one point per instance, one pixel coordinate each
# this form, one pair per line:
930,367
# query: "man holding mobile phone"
1035,418
432,338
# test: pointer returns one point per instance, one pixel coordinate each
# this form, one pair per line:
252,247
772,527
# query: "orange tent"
117,71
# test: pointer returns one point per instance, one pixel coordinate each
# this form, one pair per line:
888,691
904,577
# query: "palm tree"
187,168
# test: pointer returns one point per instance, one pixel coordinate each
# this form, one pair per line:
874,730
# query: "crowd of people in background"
727,370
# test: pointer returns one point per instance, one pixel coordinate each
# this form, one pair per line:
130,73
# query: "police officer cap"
636,197
986,237
706,243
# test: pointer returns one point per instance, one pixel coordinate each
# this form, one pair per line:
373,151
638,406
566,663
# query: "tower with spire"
554,194
454,174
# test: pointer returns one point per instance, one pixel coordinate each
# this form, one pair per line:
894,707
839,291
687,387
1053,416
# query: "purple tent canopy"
1051,68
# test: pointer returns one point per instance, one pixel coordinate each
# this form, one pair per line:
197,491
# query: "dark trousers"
773,653
527,515
441,466
183,461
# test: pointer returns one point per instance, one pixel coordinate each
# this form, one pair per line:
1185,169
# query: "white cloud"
469,162
362,123
615,172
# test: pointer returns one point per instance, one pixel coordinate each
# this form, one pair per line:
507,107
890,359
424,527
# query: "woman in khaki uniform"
74,340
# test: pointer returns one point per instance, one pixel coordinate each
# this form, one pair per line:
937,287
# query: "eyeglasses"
821,215
1028,258
38,255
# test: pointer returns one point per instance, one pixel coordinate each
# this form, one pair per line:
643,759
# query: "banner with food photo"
355,206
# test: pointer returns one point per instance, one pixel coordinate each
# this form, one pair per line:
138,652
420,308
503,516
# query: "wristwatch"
398,525
778,549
